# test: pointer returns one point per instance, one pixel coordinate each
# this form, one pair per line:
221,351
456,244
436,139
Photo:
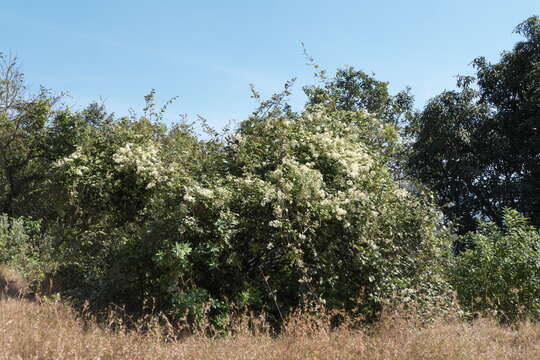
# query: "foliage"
103,191
287,209
355,90
501,274
34,133
24,249
478,147
307,211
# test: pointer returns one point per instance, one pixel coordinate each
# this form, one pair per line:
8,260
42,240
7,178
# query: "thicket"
351,202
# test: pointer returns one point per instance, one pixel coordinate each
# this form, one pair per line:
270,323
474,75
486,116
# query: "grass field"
52,331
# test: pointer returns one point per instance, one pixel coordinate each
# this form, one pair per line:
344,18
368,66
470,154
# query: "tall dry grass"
53,331
12,283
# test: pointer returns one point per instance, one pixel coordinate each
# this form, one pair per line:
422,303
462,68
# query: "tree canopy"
478,147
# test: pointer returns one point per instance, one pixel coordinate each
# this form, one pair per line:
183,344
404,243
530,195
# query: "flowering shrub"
101,192
288,209
143,160
307,210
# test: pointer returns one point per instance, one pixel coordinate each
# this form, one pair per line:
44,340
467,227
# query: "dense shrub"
25,251
307,210
285,210
501,273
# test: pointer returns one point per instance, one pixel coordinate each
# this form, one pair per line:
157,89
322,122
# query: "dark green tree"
33,134
478,147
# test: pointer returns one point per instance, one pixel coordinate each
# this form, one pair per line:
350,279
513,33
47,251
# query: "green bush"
500,275
306,210
287,209
25,249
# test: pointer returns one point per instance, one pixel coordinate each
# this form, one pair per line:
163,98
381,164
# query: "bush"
25,250
501,273
288,209
307,210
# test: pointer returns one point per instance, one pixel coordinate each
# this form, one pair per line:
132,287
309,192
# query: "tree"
22,138
478,147
34,133
355,90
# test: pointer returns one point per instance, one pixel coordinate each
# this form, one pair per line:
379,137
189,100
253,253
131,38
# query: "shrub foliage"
500,275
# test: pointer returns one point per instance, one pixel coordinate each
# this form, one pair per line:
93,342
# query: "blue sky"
208,52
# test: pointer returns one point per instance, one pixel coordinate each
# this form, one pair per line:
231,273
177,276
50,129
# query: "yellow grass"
51,331
12,283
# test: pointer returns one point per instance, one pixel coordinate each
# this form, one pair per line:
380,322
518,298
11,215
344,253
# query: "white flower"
340,212
150,185
207,193
275,223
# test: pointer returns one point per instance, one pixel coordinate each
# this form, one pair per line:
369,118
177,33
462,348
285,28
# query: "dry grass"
12,283
51,331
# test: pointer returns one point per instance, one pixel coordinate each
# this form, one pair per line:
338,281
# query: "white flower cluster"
77,163
69,159
328,167
196,191
306,175
144,160
350,158
297,180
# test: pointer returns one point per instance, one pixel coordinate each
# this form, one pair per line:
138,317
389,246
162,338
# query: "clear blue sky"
208,52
